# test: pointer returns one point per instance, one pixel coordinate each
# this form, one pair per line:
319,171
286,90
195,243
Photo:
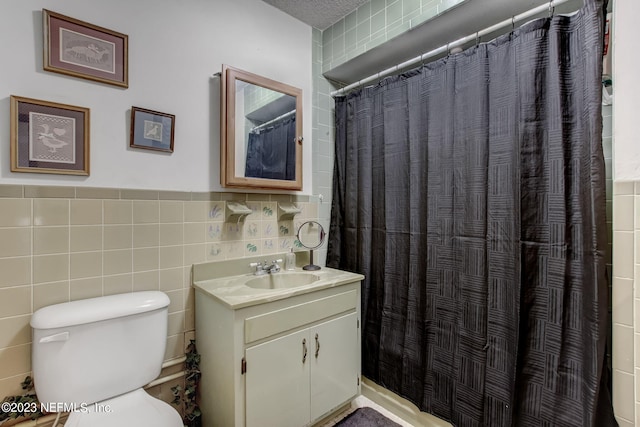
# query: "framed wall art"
152,130
47,137
80,49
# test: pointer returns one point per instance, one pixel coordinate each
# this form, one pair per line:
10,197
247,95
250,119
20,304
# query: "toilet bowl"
94,356
136,408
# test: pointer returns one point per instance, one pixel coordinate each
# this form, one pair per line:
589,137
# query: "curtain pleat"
470,193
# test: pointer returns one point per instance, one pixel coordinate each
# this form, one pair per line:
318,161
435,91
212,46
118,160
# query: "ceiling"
319,14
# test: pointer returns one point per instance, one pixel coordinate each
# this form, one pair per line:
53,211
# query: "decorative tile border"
60,192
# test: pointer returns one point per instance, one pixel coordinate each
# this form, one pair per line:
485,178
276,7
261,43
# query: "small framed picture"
80,49
152,130
47,137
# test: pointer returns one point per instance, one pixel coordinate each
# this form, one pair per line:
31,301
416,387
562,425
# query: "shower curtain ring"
477,38
552,9
513,22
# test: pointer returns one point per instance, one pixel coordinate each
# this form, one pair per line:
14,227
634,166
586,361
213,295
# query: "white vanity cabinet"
302,376
287,362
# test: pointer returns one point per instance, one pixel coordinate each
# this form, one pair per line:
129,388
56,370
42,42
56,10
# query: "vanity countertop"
234,293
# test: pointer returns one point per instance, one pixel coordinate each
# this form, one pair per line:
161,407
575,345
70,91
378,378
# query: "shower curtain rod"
475,36
283,116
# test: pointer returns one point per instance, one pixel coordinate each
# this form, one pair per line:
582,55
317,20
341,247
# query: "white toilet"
93,357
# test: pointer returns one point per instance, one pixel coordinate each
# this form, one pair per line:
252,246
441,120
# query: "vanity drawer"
278,321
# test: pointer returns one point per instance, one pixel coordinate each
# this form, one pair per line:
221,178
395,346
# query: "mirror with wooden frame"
261,132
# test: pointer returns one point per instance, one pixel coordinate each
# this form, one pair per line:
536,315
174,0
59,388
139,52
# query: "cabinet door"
277,382
335,369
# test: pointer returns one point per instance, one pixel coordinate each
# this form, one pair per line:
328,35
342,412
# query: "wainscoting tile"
11,191
623,348
15,331
621,188
145,259
118,237
175,324
15,272
85,288
10,386
146,235
171,256
118,211
50,293
175,347
86,212
95,243
97,193
194,254
50,240
139,194
623,251
146,212
623,217
171,211
622,298
146,281
15,212
196,211
15,360
86,264
171,279
50,212
49,192
117,284
194,232
171,234
15,242
623,392
85,238
176,301
50,268
174,195
117,262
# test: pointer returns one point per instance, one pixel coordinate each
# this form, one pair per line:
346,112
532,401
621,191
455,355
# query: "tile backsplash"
60,244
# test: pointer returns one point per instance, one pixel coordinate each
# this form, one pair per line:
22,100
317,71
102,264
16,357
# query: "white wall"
175,47
626,87
626,213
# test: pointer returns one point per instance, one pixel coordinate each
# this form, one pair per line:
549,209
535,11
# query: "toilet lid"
134,409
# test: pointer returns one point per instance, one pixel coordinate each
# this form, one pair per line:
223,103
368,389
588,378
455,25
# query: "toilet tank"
90,350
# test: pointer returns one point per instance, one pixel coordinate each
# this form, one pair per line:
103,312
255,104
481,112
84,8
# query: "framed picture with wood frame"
84,50
152,130
47,137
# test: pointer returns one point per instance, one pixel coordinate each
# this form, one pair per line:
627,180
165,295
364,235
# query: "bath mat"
366,417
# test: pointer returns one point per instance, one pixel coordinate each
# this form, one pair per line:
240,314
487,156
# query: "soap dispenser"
290,261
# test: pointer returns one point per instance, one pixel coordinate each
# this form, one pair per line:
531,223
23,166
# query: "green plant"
188,397
25,405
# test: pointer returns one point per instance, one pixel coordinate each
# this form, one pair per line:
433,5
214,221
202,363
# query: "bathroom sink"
282,280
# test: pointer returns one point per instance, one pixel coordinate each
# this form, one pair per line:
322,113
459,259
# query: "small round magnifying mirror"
311,235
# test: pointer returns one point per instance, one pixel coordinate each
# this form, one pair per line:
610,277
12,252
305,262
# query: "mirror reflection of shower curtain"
271,152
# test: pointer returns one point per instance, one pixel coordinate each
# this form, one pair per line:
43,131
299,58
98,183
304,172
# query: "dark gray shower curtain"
470,193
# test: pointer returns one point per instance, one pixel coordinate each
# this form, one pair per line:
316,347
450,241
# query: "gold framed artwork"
152,130
48,137
84,50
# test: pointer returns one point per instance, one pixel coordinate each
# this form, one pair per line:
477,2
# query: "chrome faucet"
264,268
